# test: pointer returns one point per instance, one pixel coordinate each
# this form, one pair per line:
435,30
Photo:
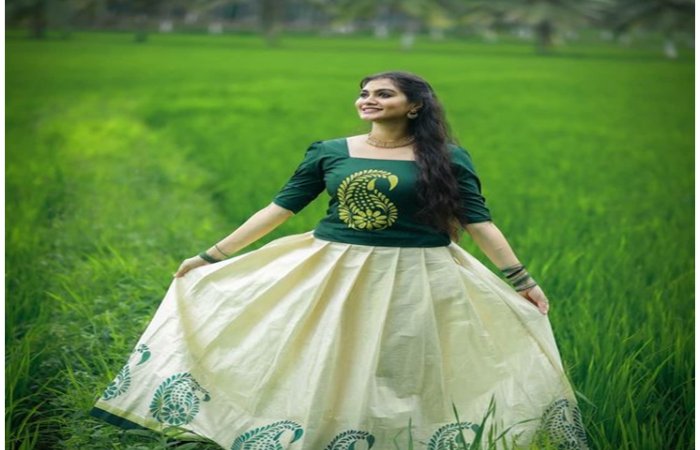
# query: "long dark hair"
438,192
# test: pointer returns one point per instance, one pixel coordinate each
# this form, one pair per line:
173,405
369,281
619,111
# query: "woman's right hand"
189,264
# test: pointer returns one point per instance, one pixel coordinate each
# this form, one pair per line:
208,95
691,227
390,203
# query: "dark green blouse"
373,201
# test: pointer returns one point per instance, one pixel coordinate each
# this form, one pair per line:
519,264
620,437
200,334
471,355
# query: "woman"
341,337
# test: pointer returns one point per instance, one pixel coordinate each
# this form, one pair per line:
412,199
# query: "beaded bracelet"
519,278
210,259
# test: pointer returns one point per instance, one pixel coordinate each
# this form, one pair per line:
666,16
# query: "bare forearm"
492,242
257,226
494,245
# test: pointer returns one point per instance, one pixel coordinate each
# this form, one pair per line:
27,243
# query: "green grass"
122,159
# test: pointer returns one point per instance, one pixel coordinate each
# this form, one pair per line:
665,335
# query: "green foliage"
124,159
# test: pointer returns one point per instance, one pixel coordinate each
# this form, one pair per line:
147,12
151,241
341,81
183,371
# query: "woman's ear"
416,106
414,110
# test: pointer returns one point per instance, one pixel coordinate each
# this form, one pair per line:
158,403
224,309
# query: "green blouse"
373,201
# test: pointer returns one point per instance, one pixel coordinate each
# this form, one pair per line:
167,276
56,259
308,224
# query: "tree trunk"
141,29
545,32
39,20
271,11
61,14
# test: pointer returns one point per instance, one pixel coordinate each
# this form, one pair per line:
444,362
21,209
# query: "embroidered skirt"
306,344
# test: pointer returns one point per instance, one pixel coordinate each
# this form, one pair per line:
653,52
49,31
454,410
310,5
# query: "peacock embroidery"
364,207
176,400
450,436
122,381
267,437
562,425
347,439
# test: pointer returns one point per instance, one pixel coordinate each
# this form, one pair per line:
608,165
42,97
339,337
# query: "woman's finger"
537,298
180,271
183,269
537,295
189,264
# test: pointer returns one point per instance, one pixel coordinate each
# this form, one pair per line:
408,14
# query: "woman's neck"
389,132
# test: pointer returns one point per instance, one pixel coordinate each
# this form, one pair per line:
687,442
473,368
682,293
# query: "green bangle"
511,271
526,284
205,256
518,277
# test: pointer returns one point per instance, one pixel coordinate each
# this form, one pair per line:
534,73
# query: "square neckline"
349,156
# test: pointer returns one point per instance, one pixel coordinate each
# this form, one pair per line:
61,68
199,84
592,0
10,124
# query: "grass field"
122,159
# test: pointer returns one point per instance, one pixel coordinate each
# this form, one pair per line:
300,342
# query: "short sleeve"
306,182
473,203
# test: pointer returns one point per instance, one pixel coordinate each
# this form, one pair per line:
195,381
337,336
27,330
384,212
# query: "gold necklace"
390,144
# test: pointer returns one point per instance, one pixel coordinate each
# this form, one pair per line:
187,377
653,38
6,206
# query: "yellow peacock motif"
362,206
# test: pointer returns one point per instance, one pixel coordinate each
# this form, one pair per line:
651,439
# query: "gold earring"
412,114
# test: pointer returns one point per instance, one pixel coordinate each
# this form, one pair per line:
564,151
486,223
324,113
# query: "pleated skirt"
306,344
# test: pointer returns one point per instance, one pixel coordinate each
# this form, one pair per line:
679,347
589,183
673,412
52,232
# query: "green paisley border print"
122,381
449,436
562,426
347,440
267,436
176,401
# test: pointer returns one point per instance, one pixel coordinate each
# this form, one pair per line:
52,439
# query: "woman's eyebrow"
380,90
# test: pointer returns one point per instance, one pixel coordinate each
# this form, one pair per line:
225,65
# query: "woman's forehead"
381,83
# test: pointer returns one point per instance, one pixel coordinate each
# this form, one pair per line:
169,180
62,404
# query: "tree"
40,15
271,15
141,12
383,15
546,18
35,12
671,18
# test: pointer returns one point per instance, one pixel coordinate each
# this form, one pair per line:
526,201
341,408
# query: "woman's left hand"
536,296
189,264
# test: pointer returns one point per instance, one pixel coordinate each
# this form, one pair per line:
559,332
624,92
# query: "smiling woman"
340,337
380,101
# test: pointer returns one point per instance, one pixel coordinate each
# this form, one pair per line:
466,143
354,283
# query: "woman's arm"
495,246
257,226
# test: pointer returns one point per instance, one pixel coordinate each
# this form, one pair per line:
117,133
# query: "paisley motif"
145,353
347,440
449,437
563,427
176,400
267,437
119,385
364,207
122,381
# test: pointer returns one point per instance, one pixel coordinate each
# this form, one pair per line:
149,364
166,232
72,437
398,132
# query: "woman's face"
381,100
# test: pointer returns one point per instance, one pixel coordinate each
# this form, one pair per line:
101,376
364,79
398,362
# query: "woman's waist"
401,238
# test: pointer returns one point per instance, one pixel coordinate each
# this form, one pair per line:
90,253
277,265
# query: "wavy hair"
438,191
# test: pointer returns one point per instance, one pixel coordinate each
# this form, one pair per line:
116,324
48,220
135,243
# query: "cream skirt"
306,344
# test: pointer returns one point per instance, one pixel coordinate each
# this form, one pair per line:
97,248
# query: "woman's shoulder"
460,156
337,142
328,148
335,146
457,151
